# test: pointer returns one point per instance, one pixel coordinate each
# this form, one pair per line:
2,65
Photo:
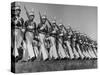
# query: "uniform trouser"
87,52
18,38
25,52
80,51
71,54
84,51
53,50
57,45
66,49
91,52
76,54
35,47
95,51
29,46
43,51
61,50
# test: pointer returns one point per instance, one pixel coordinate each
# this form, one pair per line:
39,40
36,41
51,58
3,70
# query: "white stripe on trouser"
29,39
43,51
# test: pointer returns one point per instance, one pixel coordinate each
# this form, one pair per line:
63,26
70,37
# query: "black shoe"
57,59
32,59
79,58
16,59
47,59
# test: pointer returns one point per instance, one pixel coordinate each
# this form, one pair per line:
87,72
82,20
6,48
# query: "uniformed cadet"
53,53
67,42
31,43
43,30
73,45
61,50
16,28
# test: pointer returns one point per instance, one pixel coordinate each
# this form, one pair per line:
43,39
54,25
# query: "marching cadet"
79,46
16,31
85,52
61,51
53,53
43,30
90,50
86,47
67,42
73,45
94,47
78,41
30,35
64,40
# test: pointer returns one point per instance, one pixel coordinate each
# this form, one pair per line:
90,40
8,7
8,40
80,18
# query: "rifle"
49,23
57,26
26,12
40,17
65,28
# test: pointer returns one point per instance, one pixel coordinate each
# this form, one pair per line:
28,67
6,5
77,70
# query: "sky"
80,18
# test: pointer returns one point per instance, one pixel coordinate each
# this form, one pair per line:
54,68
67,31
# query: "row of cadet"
47,40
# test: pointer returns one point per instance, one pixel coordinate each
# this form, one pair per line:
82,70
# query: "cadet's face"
31,17
61,27
17,12
43,20
53,24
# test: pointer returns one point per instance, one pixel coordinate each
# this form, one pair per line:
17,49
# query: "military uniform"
16,33
31,43
53,53
43,30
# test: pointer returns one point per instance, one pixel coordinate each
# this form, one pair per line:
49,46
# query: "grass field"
54,65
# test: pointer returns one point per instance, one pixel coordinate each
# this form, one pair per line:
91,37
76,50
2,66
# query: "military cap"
31,13
53,22
60,24
44,17
15,6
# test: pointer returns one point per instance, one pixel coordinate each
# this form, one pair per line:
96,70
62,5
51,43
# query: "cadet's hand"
30,27
23,30
16,22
